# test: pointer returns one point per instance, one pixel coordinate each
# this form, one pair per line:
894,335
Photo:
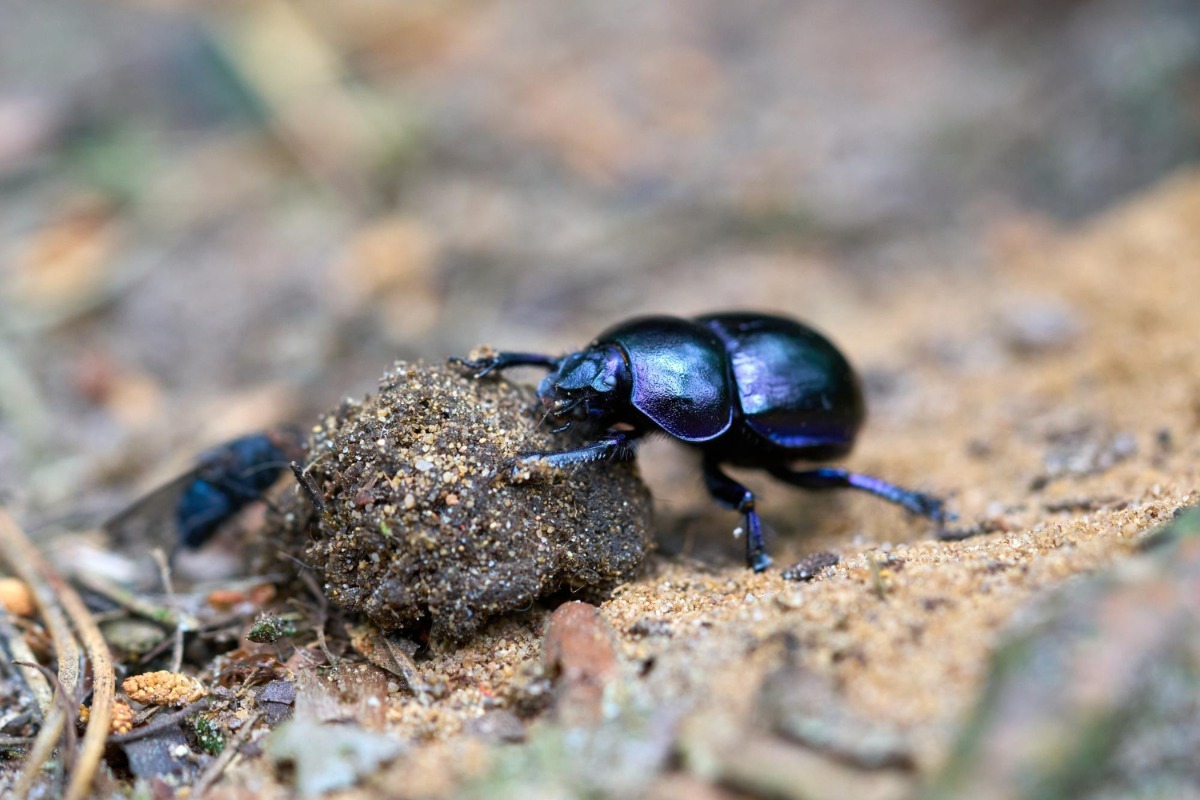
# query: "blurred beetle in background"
224,480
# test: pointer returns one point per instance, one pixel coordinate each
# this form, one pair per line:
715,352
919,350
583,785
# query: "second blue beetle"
746,389
222,482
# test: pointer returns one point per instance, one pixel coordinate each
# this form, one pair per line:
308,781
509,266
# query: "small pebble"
578,652
810,566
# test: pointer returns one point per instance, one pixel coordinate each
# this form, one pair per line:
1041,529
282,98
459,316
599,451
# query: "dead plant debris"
163,688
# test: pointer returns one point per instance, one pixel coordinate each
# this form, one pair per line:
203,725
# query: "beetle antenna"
266,465
558,412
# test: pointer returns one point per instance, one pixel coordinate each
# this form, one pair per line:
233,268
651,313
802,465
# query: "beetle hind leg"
830,478
728,492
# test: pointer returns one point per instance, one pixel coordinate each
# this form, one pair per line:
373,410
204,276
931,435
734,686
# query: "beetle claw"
518,470
478,367
759,561
513,470
932,507
935,509
526,468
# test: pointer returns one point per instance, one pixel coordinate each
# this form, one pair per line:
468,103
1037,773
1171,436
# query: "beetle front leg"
728,492
831,478
615,446
502,361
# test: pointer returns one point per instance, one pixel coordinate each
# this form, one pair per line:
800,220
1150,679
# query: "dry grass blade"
143,607
16,741
65,703
40,751
322,615
56,599
164,568
24,560
18,648
103,690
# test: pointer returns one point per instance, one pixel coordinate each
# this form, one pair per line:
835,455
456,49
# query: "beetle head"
585,384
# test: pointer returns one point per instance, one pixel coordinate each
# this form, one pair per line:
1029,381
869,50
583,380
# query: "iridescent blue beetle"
223,481
746,389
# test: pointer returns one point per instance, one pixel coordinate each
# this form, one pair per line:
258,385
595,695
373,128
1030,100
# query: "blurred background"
219,215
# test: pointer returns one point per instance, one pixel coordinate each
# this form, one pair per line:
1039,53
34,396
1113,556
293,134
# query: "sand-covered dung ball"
421,525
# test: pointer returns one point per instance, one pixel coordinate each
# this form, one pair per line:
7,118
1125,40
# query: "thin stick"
309,485
322,615
219,765
48,587
164,569
161,722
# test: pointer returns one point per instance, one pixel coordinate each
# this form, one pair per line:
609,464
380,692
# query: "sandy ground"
1054,399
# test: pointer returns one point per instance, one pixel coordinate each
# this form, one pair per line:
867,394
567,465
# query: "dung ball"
421,525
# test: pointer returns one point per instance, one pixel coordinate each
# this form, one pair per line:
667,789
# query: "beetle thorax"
588,385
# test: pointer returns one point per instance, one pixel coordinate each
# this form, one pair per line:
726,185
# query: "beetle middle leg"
832,478
728,492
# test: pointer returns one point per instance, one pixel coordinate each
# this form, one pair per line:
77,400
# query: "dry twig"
143,607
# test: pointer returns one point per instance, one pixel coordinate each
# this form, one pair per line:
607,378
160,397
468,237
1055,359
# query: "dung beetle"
223,481
746,389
